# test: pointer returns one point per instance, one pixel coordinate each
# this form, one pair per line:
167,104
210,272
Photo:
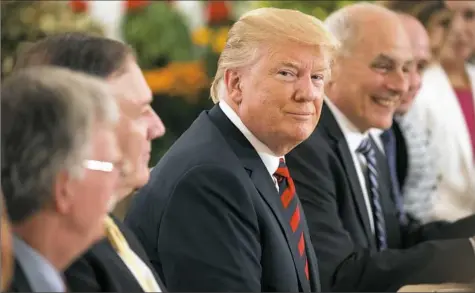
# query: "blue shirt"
40,273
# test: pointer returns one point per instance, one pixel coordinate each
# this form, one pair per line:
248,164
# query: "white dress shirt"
270,160
353,138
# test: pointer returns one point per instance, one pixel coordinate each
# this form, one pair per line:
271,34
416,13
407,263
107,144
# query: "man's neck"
47,235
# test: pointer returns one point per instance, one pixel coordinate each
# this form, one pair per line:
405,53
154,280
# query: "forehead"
460,5
389,40
295,55
131,84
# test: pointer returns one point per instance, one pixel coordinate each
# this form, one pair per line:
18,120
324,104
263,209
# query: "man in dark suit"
406,143
117,263
220,212
361,238
59,152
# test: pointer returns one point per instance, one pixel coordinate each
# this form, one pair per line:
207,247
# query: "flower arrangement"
29,21
180,79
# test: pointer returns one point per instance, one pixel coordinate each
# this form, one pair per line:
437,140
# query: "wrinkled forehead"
387,40
297,56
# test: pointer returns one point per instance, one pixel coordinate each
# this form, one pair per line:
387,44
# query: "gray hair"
344,24
47,117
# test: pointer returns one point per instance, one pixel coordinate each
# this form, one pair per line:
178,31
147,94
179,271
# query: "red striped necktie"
292,212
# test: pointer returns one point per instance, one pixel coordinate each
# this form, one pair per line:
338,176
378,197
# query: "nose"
308,90
398,82
415,79
457,24
156,128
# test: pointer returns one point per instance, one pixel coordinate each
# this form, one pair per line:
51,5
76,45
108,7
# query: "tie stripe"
288,199
295,220
366,148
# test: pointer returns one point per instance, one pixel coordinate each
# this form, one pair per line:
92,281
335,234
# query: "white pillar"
109,14
192,11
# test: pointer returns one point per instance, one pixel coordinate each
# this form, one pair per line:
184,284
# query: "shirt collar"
352,134
40,273
270,160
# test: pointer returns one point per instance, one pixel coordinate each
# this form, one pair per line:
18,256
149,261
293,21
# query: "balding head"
353,23
420,48
370,74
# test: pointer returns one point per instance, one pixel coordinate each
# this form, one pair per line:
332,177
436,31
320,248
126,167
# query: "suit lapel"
261,179
312,258
341,148
19,282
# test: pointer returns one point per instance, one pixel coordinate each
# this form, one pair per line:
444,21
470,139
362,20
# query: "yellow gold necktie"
117,240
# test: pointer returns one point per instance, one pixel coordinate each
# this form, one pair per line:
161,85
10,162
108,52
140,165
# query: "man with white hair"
220,211
59,169
360,238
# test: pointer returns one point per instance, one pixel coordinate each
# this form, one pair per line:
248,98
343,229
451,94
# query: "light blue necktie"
366,148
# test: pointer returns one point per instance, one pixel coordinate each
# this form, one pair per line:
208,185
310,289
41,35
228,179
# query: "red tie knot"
282,170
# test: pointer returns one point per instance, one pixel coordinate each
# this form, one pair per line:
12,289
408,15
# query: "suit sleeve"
209,234
344,266
81,276
463,228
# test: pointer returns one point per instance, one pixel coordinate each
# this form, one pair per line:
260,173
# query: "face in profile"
140,124
279,97
460,37
367,83
420,48
90,194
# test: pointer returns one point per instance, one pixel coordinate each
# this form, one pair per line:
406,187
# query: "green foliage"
319,9
158,32
29,21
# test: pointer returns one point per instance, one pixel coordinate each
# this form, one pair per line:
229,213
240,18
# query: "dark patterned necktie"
366,148
292,212
389,142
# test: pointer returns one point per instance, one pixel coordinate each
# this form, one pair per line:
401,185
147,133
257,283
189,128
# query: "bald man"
411,168
341,175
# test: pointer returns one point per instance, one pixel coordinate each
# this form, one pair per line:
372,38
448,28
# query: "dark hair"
77,51
422,10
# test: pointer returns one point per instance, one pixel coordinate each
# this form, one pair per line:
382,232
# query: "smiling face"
279,97
368,83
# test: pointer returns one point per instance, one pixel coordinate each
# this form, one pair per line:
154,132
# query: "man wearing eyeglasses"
60,162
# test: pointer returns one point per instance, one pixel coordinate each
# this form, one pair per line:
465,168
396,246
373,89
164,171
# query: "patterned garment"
421,179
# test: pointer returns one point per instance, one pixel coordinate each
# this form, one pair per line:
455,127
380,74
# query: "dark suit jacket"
401,154
328,187
210,217
19,281
101,269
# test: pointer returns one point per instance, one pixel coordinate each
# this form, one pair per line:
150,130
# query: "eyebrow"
387,58
297,66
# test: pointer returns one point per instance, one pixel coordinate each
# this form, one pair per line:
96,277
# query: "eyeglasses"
98,165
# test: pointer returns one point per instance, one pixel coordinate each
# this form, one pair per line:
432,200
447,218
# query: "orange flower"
220,39
201,36
159,80
183,79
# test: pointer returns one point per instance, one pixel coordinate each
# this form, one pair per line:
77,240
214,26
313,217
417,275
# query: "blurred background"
177,42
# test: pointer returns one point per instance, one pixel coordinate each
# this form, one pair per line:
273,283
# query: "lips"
385,102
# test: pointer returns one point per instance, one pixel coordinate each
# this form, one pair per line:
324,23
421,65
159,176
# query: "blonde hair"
266,25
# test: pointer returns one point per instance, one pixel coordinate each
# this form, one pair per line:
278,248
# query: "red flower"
217,11
78,5
134,4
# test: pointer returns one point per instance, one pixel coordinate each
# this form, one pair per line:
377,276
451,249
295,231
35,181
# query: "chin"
142,177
